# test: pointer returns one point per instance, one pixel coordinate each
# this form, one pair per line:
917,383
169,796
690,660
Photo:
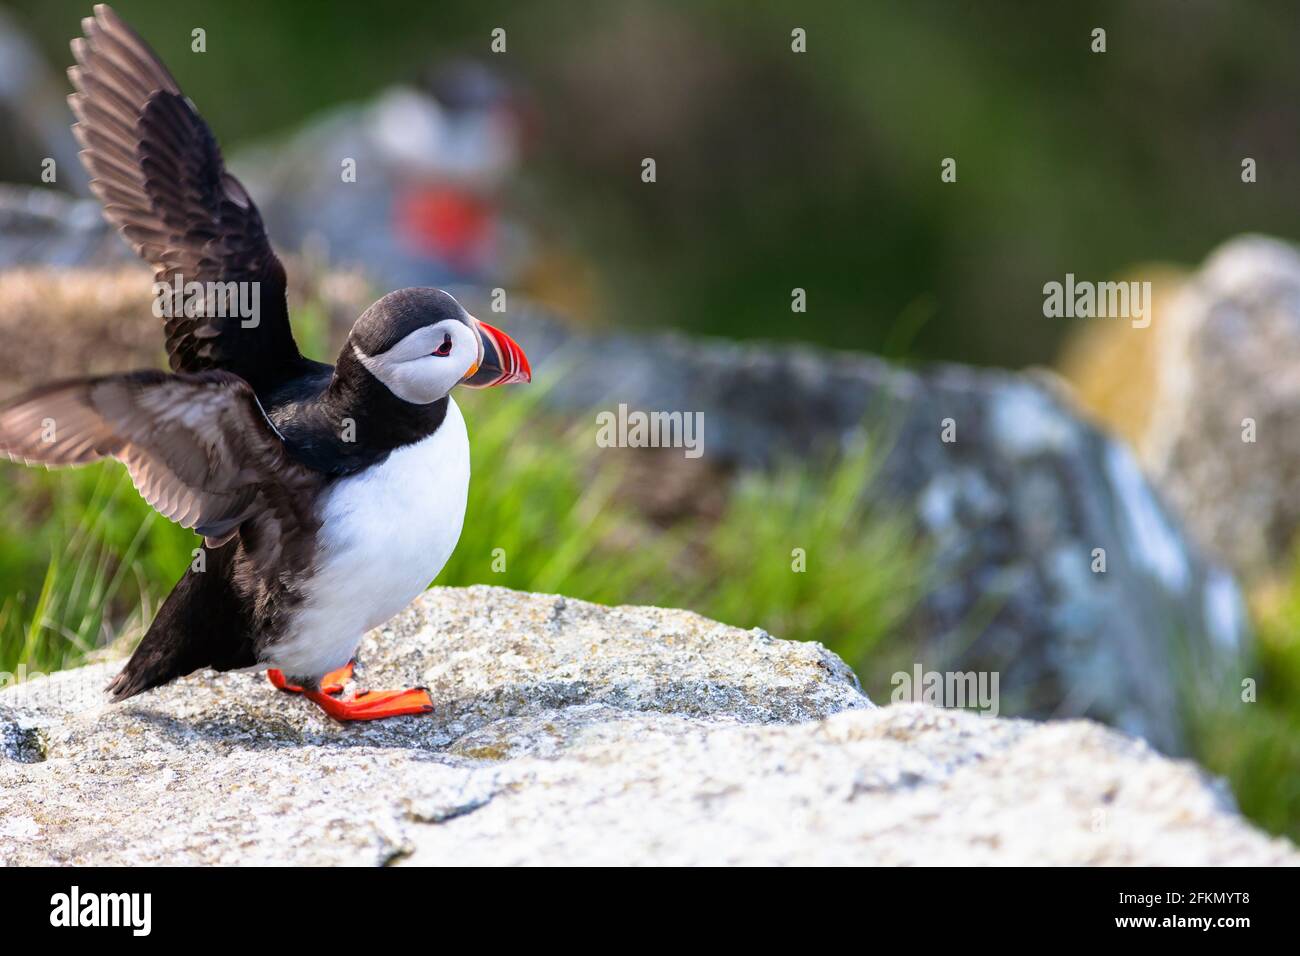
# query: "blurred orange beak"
501,360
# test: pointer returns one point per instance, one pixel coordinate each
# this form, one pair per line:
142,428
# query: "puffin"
327,497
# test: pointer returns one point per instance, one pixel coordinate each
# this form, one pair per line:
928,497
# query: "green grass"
85,562
548,508
541,515
1255,744
862,575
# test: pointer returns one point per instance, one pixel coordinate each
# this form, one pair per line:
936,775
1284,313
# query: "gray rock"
48,228
1231,348
1013,509
571,733
34,113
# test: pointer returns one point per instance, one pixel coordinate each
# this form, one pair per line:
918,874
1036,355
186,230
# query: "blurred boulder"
61,323
1022,509
64,322
34,115
41,227
1111,364
1222,440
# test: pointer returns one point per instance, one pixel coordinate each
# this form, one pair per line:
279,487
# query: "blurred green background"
819,170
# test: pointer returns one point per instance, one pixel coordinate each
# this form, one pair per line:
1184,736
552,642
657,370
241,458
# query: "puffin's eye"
445,348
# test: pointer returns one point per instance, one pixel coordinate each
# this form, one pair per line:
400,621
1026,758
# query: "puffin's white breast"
385,534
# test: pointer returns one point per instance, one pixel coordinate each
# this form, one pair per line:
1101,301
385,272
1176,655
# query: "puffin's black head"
421,344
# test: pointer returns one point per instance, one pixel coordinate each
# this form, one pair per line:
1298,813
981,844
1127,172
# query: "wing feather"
199,448
158,171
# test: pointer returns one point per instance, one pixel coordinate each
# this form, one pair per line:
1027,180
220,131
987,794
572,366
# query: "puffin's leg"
331,683
279,682
373,704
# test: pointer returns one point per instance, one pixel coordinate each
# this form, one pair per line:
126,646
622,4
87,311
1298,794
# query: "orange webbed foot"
374,704
331,683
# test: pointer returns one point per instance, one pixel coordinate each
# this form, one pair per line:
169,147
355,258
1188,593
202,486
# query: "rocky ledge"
572,733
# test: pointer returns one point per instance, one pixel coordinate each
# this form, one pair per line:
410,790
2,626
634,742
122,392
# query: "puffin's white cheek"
422,381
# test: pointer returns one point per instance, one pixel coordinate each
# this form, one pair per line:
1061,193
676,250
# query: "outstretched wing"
199,449
156,168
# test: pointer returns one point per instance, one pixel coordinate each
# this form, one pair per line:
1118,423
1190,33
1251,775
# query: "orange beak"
501,361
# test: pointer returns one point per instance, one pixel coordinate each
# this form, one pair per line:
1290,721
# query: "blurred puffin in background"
328,497
436,158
